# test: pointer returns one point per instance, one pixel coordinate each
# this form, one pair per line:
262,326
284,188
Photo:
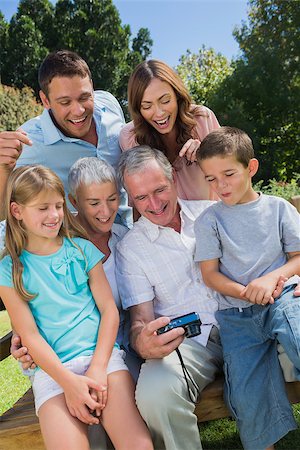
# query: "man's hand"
150,345
21,353
11,145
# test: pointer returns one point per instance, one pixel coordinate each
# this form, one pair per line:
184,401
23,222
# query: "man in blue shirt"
76,122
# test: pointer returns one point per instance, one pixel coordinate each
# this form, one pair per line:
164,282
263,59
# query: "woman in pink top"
164,118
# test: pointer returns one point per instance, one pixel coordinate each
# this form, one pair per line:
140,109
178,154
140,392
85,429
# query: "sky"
177,25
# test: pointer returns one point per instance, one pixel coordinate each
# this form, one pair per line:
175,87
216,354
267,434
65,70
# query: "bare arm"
260,290
143,335
11,143
107,334
76,387
219,282
109,315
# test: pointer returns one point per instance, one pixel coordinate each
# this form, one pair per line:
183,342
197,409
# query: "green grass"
223,435
12,383
215,435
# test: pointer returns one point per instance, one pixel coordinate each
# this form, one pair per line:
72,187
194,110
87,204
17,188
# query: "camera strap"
188,378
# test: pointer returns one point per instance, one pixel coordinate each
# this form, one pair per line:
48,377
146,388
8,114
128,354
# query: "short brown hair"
227,141
61,63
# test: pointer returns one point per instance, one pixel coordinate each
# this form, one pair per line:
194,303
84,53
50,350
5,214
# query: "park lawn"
215,435
12,383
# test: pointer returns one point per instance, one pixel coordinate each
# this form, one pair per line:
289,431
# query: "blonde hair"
24,184
138,82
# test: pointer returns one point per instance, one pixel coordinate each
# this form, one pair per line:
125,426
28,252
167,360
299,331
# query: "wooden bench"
19,426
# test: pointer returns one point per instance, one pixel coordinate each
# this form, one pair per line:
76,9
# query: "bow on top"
71,265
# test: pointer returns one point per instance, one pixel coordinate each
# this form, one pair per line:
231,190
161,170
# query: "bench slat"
5,346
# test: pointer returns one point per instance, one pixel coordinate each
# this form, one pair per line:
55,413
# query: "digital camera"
190,322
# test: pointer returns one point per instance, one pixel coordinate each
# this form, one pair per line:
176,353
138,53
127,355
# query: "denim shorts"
254,384
44,387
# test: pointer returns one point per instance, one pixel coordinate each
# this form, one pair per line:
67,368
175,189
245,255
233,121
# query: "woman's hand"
20,353
189,150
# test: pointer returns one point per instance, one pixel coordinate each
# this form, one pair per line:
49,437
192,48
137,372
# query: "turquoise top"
64,309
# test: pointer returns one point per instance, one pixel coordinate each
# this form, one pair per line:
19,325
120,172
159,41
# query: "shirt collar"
152,230
52,134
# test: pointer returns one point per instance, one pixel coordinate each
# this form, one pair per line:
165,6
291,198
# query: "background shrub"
17,106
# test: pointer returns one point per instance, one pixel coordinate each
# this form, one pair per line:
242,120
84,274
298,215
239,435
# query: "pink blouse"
190,181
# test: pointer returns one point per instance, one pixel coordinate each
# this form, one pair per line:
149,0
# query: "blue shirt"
249,239
64,309
53,149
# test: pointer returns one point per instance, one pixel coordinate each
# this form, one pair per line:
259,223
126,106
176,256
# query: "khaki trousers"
162,395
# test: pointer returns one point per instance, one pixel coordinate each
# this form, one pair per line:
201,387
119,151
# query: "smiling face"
42,217
159,106
230,179
71,100
97,205
153,194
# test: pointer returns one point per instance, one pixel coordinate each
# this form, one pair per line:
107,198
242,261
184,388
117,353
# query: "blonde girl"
55,291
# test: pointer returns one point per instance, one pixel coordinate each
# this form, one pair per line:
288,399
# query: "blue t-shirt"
64,309
249,239
53,149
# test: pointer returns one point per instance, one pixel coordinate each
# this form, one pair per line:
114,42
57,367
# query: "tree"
203,73
24,53
41,12
91,28
3,41
17,106
262,95
142,43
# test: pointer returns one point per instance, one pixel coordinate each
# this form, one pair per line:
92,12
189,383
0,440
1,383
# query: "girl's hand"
189,149
99,395
79,400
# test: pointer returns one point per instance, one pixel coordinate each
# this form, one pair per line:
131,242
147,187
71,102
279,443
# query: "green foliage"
262,95
280,188
16,106
24,53
3,41
91,28
203,73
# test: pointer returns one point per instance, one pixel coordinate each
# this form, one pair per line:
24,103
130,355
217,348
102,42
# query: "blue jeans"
254,384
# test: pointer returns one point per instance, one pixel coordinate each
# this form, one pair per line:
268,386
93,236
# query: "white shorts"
44,387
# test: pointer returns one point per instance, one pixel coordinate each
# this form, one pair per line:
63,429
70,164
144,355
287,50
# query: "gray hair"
90,170
137,158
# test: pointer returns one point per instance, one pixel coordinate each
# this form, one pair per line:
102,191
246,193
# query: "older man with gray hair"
158,281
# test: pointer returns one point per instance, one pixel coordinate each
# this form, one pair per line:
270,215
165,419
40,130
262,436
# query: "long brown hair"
24,184
138,82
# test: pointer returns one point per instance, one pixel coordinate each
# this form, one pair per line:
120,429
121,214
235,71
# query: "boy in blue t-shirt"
247,244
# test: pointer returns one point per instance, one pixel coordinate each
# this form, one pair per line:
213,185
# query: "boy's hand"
279,288
297,290
260,291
